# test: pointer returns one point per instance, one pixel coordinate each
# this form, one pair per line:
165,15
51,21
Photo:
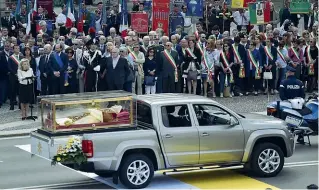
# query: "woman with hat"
25,77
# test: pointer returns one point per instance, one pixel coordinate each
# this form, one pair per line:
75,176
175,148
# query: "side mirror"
233,121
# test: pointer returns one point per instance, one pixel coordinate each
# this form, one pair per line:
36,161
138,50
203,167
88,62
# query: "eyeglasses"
114,52
167,45
151,51
61,39
70,52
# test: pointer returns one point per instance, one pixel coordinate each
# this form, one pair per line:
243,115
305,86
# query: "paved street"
19,170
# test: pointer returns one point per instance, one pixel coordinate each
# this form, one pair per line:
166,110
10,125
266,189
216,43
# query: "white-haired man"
44,70
44,29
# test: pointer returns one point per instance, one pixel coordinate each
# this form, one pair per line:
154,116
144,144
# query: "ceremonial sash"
281,56
184,51
208,67
236,53
172,62
129,49
144,48
189,51
198,44
15,59
134,55
60,63
311,68
41,32
226,63
197,35
295,52
255,64
268,53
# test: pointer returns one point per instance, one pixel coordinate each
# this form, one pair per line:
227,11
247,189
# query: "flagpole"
206,18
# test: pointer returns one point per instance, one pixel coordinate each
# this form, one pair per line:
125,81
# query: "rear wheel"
136,171
267,160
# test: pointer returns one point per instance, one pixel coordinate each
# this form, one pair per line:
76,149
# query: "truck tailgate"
46,147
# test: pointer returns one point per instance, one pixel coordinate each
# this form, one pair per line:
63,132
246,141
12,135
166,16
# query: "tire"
274,167
124,170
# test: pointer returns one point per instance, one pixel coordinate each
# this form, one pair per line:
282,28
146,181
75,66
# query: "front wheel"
136,171
267,160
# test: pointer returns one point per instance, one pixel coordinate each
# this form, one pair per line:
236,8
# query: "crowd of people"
219,62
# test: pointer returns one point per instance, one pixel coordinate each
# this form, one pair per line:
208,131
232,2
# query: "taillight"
271,111
87,148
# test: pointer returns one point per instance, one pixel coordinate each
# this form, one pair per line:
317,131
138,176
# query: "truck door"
219,140
179,135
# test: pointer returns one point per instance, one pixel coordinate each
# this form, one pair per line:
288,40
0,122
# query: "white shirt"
61,19
187,20
239,18
115,61
216,54
24,74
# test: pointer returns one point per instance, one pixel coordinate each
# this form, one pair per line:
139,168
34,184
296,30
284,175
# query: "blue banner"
195,8
175,20
147,5
124,16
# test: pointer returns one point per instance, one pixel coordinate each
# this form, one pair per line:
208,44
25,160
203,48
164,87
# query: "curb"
16,133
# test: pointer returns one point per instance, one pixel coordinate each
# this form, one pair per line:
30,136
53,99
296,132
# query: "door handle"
168,136
205,134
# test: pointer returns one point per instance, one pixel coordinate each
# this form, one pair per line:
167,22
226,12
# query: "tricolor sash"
144,48
197,35
311,68
189,51
226,65
133,54
282,57
268,53
237,56
209,67
129,49
60,63
172,62
199,46
15,59
295,52
255,64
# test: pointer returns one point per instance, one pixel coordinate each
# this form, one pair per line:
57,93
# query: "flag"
35,9
103,15
80,17
237,4
259,12
124,16
69,23
18,10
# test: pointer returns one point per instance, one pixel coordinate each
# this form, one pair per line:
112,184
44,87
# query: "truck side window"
176,116
208,115
144,114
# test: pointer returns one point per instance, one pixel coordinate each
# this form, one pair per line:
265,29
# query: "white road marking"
59,185
1,161
261,113
306,162
301,165
159,182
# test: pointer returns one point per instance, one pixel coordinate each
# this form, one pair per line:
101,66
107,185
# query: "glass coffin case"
85,111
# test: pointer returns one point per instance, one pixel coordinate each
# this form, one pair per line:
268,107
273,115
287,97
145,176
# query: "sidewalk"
11,124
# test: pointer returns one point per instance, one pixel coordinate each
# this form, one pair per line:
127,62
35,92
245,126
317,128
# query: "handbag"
268,75
192,75
149,80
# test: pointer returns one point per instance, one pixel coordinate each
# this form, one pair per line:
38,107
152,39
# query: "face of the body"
16,49
115,53
25,66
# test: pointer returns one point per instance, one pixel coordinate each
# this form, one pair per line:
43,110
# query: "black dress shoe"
24,118
12,107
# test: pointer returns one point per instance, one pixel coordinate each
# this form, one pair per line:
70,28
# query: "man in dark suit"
43,67
117,70
13,63
4,57
44,29
56,68
240,59
169,68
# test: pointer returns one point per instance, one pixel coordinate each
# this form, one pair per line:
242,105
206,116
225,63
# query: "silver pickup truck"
177,131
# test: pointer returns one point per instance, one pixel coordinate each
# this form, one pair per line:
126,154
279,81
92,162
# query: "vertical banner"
259,13
195,8
175,20
139,22
161,14
299,6
47,5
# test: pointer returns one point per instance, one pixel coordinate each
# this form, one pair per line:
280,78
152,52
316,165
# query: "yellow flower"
58,159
